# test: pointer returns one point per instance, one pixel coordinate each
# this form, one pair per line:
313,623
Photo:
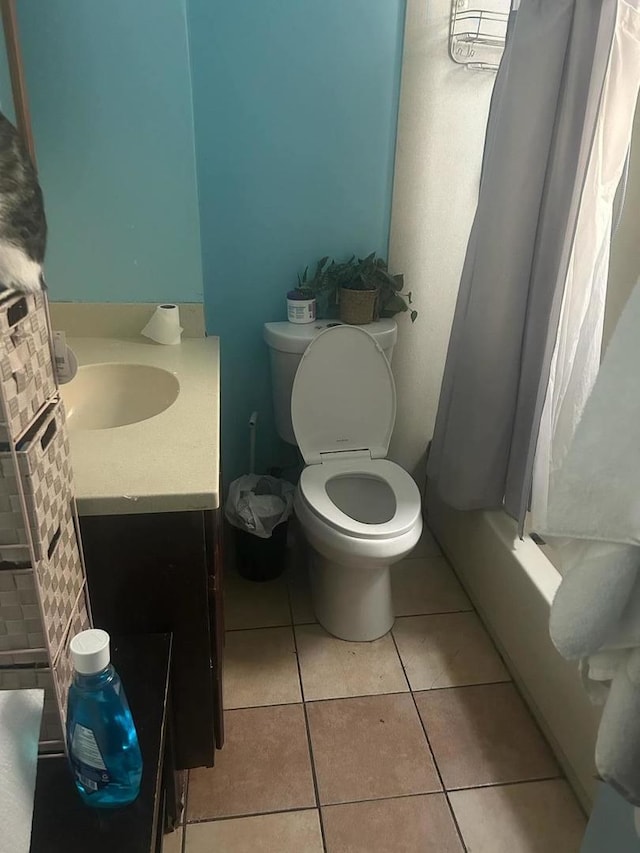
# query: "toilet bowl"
359,512
359,519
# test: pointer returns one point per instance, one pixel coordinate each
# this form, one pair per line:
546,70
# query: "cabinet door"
214,527
149,574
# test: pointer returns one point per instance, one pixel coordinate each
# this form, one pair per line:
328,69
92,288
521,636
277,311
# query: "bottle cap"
90,651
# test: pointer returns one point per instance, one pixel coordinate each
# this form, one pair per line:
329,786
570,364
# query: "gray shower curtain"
541,123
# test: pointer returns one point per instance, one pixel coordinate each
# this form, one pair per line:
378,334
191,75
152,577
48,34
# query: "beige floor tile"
264,766
172,842
255,605
260,668
285,832
447,650
427,545
536,817
369,748
484,735
426,585
333,668
405,825
300,594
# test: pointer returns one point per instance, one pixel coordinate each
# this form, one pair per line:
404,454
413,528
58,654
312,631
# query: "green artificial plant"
370,273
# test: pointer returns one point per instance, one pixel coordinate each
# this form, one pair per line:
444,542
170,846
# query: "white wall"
441,128
624,267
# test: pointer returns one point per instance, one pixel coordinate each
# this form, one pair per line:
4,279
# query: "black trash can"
260,559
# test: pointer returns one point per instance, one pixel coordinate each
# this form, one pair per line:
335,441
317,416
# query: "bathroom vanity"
148,495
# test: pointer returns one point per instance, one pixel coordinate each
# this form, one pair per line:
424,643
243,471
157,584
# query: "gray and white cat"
23,226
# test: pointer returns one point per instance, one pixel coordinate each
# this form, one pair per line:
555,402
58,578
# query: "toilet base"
351,603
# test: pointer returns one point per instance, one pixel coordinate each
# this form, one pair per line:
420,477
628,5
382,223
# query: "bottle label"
87,760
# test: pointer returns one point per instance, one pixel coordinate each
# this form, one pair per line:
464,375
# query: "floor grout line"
315,701
319,806
370,695
445,791
383,799
461,686
258,628
506,784
314,775
242,815
399,657
435,613
429,747
315,622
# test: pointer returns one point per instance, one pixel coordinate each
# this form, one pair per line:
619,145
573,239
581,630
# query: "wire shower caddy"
477,32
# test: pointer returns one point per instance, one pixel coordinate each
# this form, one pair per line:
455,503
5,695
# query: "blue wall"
110,90
295,112
295,105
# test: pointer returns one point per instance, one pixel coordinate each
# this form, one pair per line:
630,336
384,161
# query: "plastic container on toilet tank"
287,343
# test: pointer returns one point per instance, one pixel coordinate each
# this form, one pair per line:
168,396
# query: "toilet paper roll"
164,326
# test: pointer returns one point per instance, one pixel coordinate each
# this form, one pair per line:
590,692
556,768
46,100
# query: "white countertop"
167,463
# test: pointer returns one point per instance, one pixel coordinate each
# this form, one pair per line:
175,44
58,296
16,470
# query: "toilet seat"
313,488
343,409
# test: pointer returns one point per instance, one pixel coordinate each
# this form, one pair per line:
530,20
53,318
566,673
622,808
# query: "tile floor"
415,743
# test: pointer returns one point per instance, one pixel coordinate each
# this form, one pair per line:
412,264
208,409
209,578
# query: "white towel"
593,597
20,716
618,744
596,498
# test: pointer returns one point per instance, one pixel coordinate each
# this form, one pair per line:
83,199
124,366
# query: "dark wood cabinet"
162,572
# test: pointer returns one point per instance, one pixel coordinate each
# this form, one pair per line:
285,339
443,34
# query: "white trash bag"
257,504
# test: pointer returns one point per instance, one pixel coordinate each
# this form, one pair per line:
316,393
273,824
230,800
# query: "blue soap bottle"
101,736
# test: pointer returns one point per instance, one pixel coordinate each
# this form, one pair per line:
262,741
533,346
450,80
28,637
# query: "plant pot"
357,307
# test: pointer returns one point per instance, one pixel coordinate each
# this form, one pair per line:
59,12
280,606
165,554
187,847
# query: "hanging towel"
592,598
595,616
618,743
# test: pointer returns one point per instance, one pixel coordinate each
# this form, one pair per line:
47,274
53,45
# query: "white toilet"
360,512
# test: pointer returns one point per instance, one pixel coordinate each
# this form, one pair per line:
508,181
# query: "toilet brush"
253,420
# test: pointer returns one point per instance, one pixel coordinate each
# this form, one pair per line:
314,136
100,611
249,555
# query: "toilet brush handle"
253,420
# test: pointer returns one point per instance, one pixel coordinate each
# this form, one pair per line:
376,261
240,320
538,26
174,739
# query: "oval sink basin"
104,396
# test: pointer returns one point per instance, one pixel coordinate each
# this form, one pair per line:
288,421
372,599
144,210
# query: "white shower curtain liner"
577,352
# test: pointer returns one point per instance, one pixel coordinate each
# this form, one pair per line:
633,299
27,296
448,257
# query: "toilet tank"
287,341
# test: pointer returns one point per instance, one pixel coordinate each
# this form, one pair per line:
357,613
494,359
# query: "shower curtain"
540,137
576,357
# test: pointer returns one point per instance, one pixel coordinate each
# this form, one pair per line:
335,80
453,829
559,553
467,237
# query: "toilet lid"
344,396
